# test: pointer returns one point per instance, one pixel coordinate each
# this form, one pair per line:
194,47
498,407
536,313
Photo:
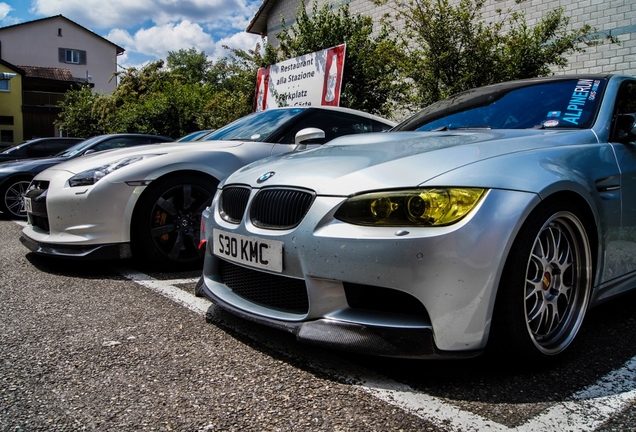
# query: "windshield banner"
312,79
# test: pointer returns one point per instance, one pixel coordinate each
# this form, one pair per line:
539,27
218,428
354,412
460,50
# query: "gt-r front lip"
99,252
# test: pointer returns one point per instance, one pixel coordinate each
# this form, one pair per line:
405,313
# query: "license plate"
250,251
27,205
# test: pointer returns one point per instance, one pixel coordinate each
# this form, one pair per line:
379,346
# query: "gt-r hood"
94,160
397,159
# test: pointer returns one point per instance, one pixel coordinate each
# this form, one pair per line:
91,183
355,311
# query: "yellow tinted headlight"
417,207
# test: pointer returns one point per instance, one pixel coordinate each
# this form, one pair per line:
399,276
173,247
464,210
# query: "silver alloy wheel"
558,283
14,198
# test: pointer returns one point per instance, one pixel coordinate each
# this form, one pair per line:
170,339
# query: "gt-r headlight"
92,176
416,207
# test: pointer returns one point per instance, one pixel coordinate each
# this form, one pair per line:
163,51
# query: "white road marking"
585,411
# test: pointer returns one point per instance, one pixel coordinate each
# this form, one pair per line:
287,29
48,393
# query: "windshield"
13,149
78,148
256,126
567,103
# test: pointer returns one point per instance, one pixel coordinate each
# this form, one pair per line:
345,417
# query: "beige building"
57,42
610,17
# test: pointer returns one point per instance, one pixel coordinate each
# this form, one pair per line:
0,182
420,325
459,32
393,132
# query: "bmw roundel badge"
265,177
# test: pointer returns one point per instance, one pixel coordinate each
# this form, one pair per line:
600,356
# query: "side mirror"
309,136
89,151
625,128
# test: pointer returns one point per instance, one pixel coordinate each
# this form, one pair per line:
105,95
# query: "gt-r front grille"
39,184
271,208
275,292
40,222
37,193
280,208
233,203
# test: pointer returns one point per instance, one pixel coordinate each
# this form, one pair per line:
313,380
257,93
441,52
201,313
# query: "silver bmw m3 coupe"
490,220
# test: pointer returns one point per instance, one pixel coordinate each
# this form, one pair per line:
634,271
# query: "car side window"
624,107
333,123
380,127
120,142
54,147
38,150
626,98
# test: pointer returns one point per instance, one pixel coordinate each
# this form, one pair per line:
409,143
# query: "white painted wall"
36,43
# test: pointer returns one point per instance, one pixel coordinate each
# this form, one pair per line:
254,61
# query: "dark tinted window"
380,127
333,123
39,149
567,103
56,146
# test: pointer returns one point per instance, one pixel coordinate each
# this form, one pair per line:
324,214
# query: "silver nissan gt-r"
146,202
492,219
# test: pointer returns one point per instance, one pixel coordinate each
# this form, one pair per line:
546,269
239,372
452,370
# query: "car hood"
95,160
29,164
397,159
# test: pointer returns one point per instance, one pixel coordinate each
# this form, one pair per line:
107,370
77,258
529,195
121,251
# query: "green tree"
189,64
234,80
190,93
371,80
451,48
78,116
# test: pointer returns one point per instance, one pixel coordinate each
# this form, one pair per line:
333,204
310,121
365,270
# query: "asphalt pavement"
86,346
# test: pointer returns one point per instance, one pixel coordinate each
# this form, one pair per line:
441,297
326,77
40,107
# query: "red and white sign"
312,79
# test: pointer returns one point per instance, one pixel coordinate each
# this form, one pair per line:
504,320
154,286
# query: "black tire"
545,287
166,222
12,197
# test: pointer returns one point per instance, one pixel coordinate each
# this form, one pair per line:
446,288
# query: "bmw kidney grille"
271,208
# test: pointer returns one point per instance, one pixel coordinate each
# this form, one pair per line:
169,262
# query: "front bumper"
90,222
420,293
349,336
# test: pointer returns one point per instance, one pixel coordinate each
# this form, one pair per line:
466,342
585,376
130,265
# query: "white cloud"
149,29
4,10
130,13
157,41
242,41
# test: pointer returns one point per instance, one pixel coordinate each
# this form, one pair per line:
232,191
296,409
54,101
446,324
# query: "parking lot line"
585,411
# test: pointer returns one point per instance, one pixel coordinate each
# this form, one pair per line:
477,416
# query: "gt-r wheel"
12,197
167,221
546,285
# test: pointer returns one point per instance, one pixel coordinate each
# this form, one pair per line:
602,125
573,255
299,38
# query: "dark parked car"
39,147
15,176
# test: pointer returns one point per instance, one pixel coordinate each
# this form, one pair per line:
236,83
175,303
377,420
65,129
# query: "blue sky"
148,29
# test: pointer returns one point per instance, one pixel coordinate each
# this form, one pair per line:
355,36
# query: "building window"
6,136
6,120
72,56
4,85
59,32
